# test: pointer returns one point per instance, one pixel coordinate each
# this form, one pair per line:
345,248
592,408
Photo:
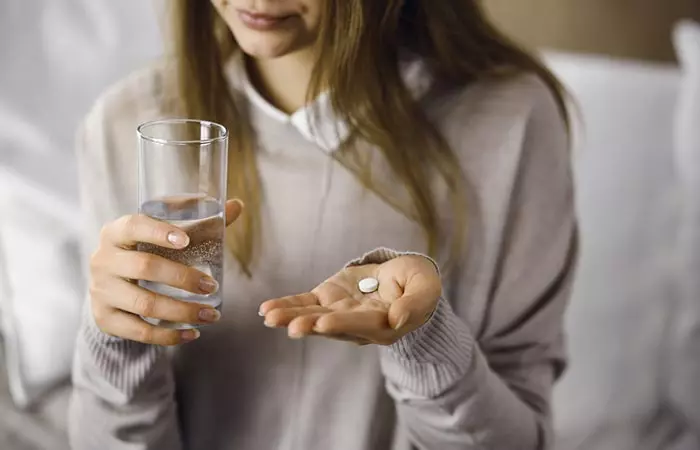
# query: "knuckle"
129,226
145,334
145,263
183,275
127,222
96,260
104,231
145,304
98,295
171,338
100,316
93,289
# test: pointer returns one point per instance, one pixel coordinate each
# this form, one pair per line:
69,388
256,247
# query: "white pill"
368,285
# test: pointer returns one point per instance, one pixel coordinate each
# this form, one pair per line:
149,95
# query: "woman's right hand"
117,302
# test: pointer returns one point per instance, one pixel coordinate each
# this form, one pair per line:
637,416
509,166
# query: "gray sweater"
478,375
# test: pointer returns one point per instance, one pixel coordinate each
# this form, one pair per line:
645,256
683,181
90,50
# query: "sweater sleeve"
123,391
455,389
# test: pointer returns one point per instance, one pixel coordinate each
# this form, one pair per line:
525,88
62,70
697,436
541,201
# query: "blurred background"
633,69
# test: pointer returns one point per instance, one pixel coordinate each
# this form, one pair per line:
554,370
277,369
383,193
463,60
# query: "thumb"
233,210
414,307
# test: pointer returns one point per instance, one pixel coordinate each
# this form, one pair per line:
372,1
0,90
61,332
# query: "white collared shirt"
317,122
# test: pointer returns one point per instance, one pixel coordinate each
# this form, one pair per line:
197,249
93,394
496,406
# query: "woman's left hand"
408,293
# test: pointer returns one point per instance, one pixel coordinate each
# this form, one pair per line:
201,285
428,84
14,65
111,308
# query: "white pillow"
80,47
683,362
623,172
41,290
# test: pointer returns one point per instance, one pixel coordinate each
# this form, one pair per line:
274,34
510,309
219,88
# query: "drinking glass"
182,181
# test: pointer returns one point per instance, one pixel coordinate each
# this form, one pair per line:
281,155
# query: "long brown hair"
359,46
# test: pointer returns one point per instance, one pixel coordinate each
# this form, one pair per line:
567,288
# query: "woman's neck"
283,81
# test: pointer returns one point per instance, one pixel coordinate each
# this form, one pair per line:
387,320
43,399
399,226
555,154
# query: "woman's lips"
262,22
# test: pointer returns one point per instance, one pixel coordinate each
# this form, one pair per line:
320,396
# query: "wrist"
432,358
381,255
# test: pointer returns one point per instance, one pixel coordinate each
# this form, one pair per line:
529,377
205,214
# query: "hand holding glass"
182,181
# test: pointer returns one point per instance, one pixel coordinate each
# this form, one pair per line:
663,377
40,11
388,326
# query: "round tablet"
368,285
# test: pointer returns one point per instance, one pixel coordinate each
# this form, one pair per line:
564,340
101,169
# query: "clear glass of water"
182,181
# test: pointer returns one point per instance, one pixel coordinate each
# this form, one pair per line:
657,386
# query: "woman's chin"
266,47
263,54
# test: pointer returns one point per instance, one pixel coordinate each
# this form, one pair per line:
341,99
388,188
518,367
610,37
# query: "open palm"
409,289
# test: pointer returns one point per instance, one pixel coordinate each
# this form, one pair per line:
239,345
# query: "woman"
357,127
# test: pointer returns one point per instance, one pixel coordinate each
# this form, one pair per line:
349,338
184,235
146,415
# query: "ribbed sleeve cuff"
431,359
123,364
382,254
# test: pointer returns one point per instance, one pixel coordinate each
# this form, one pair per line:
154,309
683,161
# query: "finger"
281,317
304,322
421,292
303,325
130,230
133,328
234,208
413,309
293,301
148,267
371,324
389,289
131,298
345,338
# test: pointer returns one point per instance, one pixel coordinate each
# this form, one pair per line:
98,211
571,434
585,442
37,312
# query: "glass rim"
141,130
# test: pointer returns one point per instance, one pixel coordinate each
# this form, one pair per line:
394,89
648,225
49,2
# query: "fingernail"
260,313
208,285
179,240
209,315
296,335
190,335
403,320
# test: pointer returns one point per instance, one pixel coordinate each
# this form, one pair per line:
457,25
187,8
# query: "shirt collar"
317,122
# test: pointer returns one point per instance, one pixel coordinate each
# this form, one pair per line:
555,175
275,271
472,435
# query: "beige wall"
627,28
